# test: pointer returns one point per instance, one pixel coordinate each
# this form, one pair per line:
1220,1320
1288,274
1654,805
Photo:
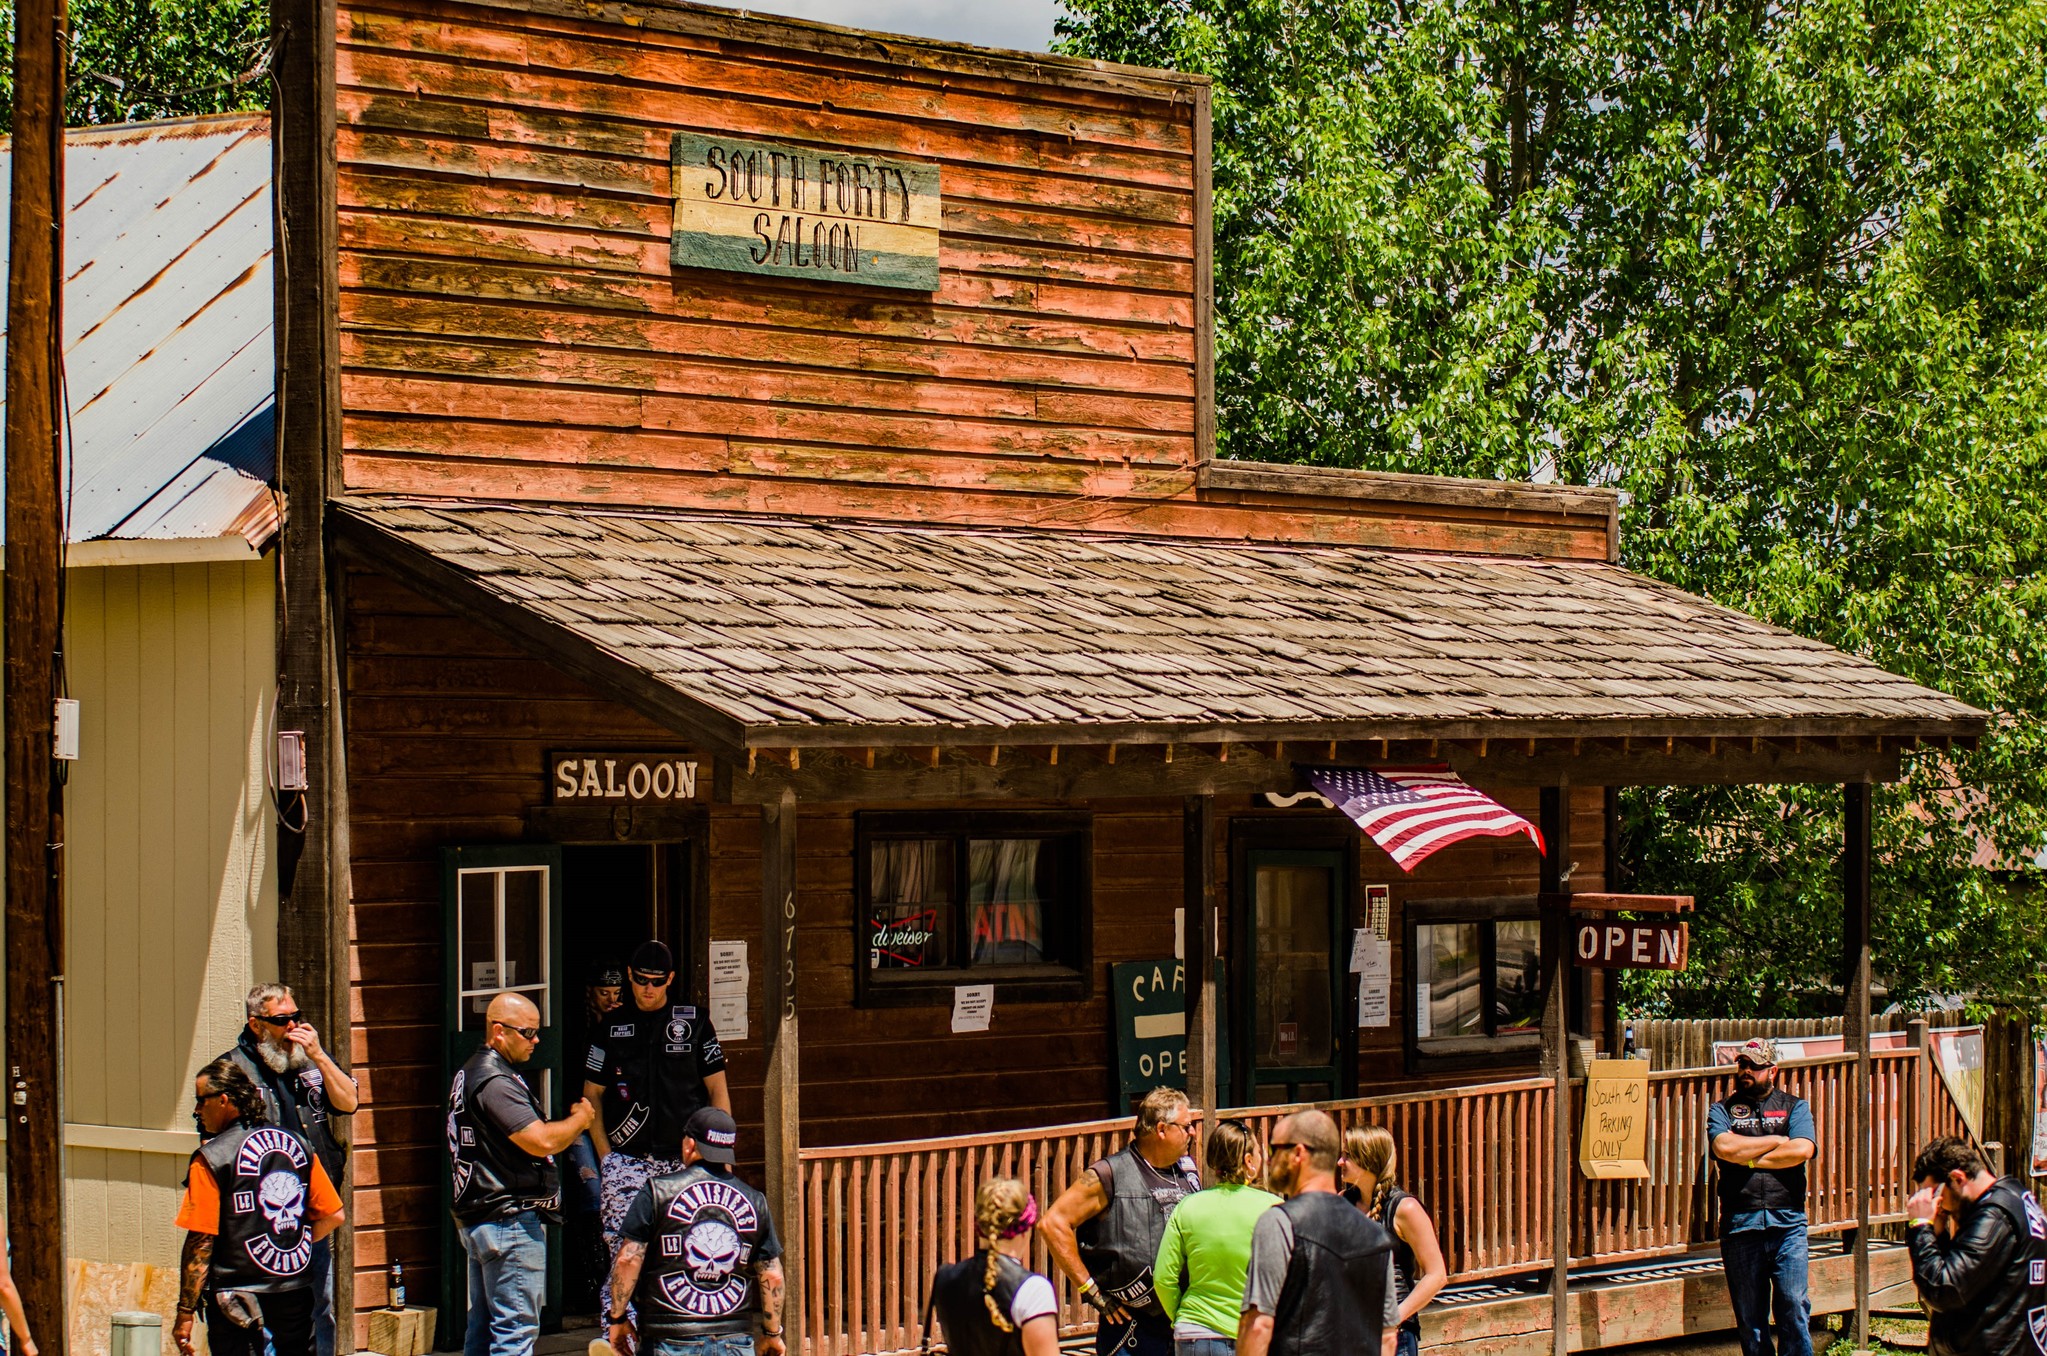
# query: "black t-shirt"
652,1067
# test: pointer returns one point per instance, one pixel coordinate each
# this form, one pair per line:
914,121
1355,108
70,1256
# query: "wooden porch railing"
880,1219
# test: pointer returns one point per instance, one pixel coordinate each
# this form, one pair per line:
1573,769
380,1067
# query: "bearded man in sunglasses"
302,1087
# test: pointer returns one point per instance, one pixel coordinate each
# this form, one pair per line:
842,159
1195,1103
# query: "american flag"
1413,811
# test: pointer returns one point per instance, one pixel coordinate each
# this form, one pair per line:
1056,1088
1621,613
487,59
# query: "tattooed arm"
625,1275
193,1264
774,1286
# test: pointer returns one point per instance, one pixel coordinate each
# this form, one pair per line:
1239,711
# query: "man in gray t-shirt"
1343,1302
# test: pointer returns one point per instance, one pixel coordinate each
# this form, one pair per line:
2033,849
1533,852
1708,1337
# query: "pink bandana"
1024,1222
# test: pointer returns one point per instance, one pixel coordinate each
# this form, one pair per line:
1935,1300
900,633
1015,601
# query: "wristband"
616,1319
771,1332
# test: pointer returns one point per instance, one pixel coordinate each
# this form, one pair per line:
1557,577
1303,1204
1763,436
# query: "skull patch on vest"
714,1222
277,1162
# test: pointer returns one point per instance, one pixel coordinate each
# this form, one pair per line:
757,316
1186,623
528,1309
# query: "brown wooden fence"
880,1219
1687,1043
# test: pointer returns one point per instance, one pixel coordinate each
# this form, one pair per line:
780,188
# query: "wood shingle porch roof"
774,632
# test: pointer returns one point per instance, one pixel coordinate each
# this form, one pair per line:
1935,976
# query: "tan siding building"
171,885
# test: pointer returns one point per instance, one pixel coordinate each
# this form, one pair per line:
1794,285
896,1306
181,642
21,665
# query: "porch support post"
1556,878
779,1101
1199,948
1855,860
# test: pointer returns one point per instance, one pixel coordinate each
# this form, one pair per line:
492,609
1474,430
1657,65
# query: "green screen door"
1296,1037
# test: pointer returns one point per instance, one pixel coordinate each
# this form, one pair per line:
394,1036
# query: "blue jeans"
730,1344
1203,1346
507,1284
582,1183
1758,1261
1408,1342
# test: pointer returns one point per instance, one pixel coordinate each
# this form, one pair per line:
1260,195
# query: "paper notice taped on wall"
1375,1002
729,973
730,976
972,1006
1422,1029
728,1017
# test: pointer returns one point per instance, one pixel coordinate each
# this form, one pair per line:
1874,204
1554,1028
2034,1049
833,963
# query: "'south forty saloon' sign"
577,778
763,207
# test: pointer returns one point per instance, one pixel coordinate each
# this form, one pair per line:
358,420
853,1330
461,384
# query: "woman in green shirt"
1206,1253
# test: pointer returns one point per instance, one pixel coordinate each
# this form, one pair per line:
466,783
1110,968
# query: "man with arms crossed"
1762,1138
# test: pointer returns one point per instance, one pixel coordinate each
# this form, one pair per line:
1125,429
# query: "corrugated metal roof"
167,328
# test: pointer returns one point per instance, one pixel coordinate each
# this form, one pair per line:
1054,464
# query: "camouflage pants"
624,1175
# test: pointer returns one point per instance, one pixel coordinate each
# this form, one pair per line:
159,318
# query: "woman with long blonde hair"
1366,1167
992,1304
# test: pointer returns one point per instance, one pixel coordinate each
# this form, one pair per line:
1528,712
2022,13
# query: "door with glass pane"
1298,1035
504,931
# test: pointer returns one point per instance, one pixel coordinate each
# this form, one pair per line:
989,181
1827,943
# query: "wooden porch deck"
879,1219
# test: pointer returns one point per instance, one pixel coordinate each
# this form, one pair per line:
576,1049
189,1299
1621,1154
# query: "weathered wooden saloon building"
752,483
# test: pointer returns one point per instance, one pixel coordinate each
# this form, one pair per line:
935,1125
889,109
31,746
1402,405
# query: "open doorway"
615,896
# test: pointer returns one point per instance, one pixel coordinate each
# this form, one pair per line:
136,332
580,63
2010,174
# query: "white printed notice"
730,975
1375,1002
1422,1029
972,1006
1375,980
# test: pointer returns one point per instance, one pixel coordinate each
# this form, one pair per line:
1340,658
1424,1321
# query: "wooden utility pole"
1555,877
1855,889
33,620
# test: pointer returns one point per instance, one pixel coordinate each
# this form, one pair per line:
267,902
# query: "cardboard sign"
578,778
1614,1139
1616,945
743,205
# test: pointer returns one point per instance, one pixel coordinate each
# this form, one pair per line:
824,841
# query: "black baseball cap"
607,975
716,1135
653,958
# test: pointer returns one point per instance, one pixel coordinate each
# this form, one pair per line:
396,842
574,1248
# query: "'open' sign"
1632,946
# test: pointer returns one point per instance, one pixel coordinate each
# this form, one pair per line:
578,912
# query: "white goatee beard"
282,1056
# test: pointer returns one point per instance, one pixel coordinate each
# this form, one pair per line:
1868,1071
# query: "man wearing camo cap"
1762,1137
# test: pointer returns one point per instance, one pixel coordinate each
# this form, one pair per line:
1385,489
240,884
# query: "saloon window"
1475,980
968,899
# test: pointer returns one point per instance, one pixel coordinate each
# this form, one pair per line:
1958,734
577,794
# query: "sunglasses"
531,1033
1751,1065
198,1102
651,981
1285,1146
283,1019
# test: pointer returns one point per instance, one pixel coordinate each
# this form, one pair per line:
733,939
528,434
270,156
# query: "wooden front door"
503,913
1294,1027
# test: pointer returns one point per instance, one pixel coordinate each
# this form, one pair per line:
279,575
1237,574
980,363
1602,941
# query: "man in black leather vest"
651,1064
303,1088
1979,1255
699,1256
1321,1279
1762,1137
505,1185
256,1200
1104,1230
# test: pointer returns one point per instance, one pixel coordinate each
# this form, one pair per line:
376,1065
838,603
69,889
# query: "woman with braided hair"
991,1304
1366,1167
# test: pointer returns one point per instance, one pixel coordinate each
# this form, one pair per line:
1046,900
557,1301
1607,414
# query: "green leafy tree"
133,60
1774,270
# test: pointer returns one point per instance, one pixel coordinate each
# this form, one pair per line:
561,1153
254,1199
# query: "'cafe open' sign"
621,778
